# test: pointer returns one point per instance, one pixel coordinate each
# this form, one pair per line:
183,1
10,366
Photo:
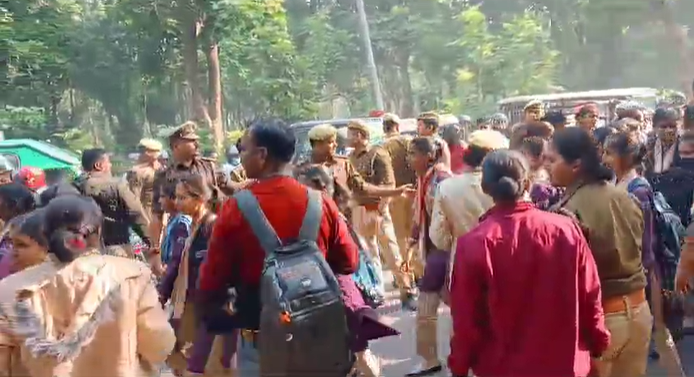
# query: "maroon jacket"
525,297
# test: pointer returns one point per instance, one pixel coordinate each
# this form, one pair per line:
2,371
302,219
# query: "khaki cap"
488,139
359,125
391,117
428,115
534,105
186,131
322,132
151,145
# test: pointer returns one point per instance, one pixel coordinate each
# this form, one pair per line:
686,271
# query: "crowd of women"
547,243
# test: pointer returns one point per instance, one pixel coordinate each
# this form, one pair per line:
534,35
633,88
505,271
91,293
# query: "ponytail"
61,244
71,222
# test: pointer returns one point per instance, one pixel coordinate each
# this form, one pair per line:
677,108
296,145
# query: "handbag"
366,276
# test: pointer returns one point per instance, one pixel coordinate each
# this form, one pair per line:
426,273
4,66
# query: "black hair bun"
507,188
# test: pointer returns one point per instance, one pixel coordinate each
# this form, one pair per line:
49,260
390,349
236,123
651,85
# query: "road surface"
397,359
397,353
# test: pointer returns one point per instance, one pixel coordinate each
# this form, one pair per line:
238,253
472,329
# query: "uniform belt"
619,304
372,207
250,336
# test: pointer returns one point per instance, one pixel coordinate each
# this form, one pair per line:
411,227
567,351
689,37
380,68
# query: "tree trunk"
407,104
215,95
677,36
196,103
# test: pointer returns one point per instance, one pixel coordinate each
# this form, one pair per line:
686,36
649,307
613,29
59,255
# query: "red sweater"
525,297
234,247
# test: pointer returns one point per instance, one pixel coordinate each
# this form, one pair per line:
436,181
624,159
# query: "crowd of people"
560,250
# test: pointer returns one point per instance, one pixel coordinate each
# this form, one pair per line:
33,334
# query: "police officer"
120,207
233,168
141,177
428,126
185,159
401,207
371,217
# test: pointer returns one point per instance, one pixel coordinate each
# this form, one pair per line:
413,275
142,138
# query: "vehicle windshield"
303,147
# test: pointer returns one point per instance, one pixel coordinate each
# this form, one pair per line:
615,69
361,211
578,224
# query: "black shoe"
425,372
654,355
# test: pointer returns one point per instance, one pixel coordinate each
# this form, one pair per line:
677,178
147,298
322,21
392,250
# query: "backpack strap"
250,208
312,219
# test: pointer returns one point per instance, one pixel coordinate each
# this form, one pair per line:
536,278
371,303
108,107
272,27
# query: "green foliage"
263,74
108,72
74,139
30,123
516,59
23,122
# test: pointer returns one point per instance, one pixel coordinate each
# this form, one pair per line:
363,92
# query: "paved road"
396,352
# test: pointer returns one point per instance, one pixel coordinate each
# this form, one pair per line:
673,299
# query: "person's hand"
248,182
407,190
156,265
682,281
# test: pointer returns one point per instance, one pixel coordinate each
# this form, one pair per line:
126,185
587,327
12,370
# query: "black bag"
303,327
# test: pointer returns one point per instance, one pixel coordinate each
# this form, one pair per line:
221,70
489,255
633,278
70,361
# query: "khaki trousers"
403,220
627,354
377,231
427,324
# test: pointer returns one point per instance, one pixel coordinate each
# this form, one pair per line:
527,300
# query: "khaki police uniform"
141,177
371,217
401,207
204,167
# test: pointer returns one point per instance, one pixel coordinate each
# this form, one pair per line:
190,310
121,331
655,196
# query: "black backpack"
303,328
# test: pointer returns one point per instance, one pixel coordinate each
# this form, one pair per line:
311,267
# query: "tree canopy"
108,72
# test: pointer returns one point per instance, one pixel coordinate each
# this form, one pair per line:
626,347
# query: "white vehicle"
606,100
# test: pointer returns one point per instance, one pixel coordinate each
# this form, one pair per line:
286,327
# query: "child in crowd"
178,227
180,283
